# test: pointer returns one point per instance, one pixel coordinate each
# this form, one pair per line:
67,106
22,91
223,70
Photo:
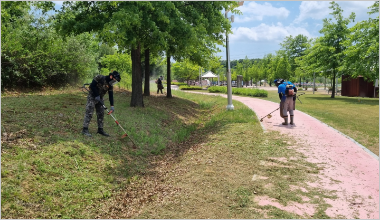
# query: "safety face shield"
113,82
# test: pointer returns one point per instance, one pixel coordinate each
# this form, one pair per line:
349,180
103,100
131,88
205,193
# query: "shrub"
250,92
178,83
240,91
221,89
190,87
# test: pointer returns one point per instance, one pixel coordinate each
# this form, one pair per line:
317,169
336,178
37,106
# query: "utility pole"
314,82
230,106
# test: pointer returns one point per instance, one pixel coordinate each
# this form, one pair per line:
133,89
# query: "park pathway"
347,168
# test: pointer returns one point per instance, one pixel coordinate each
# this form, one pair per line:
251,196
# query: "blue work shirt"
282,88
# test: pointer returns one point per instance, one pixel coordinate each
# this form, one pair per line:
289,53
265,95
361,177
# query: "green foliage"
295,47
185,70
250,92
34,55
214,89
240,91
190,87
362,53
178,83
121,63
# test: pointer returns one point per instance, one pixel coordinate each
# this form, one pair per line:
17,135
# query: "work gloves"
112,109
97,98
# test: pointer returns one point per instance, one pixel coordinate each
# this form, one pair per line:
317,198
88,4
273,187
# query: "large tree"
331,52
185,70
195,30
295,47
130,25
362,53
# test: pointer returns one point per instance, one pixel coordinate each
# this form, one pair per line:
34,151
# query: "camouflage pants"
159,88
91,104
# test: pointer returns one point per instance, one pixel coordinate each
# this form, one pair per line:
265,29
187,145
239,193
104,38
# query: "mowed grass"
50,170
355,117
193,159
226,167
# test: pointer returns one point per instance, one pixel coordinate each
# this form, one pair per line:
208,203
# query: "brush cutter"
269,115
109,113
125,133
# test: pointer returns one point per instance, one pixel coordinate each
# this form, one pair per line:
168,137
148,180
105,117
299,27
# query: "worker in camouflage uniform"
98,88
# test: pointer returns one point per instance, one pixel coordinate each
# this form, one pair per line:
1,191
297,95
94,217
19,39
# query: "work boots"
292,120
100,131
286,121
86,132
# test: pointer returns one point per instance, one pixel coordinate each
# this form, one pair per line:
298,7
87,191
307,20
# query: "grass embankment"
355,117
194,160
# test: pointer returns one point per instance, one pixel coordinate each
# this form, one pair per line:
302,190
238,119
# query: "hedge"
177,83
190,88
240,91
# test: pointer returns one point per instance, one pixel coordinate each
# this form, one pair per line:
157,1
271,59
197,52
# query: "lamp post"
230,106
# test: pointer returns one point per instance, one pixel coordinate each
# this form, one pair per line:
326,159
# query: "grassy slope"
194,160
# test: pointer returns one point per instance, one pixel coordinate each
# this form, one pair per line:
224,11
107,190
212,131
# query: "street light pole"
230,106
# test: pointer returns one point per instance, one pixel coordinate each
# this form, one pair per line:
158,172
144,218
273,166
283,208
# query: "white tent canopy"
209,74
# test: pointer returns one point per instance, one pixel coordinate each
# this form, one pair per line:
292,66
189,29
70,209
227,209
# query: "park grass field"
189,149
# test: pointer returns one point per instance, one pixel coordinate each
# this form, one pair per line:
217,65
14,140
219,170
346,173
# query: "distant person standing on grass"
159,85
287,93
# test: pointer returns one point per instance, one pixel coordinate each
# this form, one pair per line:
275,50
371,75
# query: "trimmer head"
124,135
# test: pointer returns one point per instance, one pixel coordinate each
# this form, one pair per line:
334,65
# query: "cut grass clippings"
194,160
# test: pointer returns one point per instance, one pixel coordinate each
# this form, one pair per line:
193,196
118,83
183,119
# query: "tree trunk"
168,78
137,95
147,74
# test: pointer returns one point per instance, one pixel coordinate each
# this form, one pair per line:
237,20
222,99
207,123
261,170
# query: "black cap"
116,75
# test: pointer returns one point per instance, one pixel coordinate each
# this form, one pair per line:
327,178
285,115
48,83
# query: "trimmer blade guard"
124,135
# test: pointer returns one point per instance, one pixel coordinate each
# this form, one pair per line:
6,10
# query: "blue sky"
265,24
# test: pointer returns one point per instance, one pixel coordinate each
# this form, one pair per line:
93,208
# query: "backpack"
289,91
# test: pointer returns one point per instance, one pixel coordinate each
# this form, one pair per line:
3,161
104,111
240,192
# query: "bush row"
240,91
178,83
190,87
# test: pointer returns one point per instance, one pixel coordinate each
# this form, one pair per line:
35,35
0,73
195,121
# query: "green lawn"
50,170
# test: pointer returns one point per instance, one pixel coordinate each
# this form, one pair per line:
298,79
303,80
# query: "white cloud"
319,10
314,10
360,9
268,33
253,11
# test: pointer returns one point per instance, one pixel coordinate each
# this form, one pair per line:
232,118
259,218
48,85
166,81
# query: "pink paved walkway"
340,158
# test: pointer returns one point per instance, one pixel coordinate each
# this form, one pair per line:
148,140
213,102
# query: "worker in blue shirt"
287,94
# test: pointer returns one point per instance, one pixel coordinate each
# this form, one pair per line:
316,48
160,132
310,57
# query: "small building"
358,87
